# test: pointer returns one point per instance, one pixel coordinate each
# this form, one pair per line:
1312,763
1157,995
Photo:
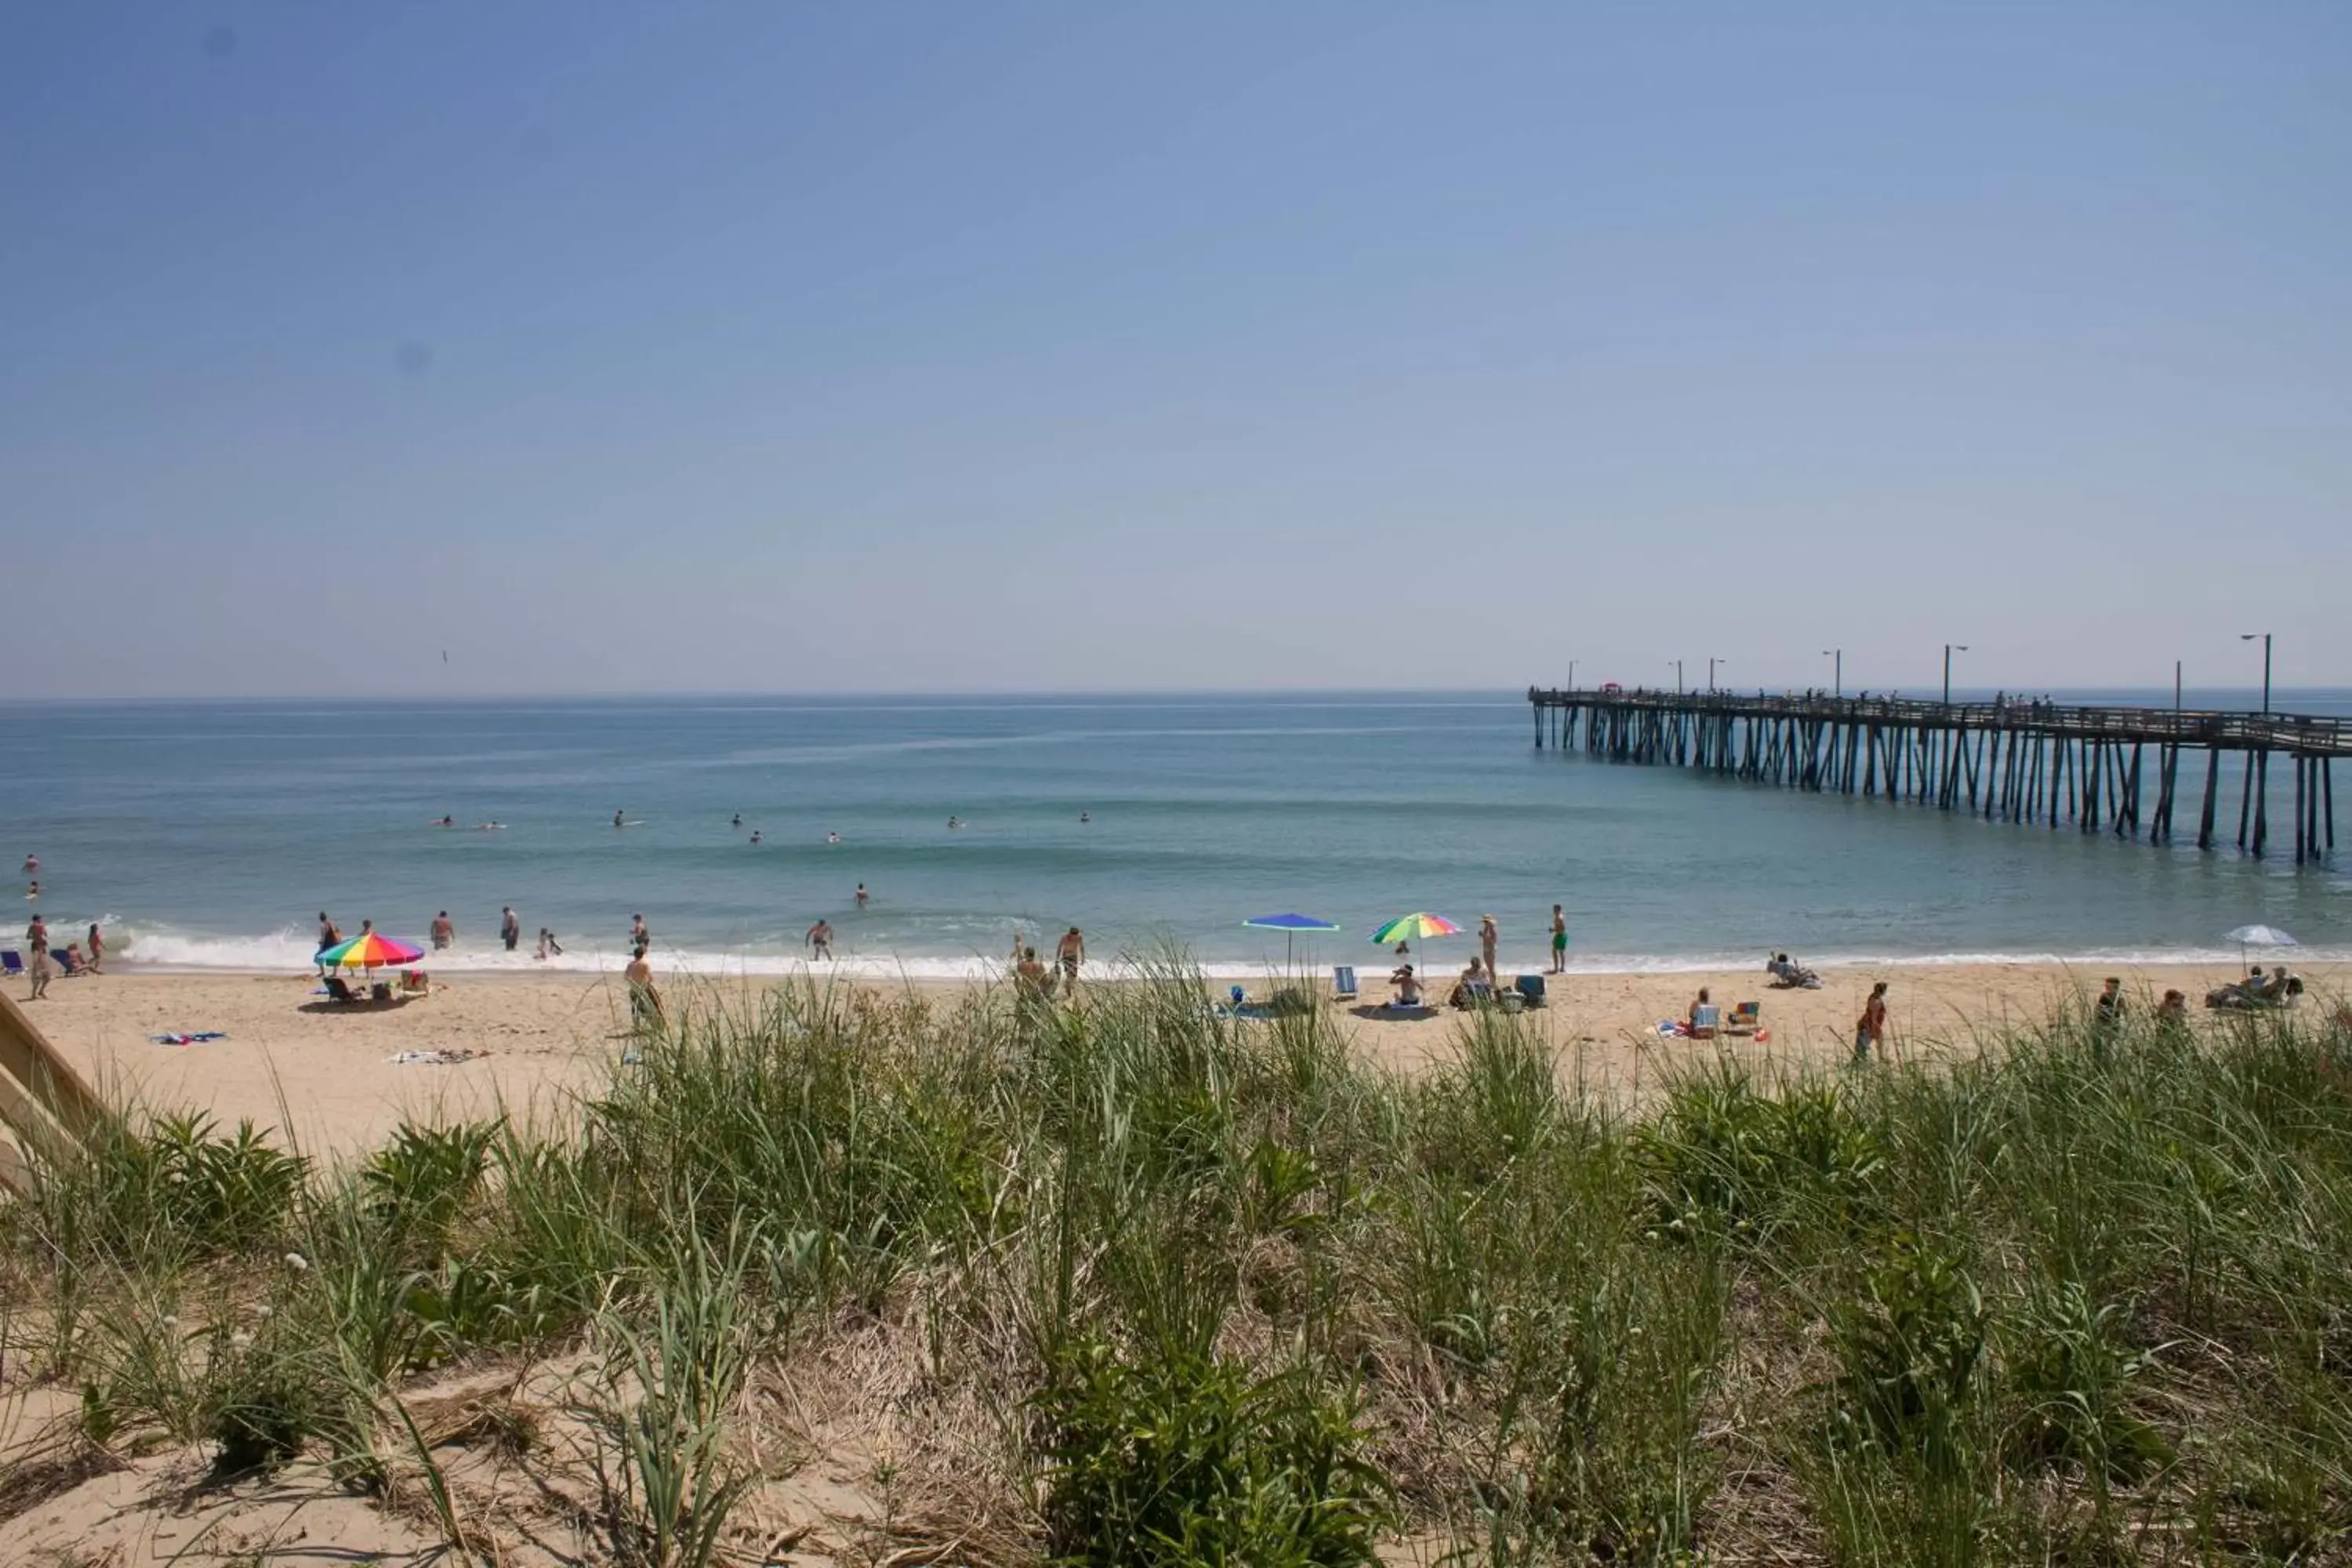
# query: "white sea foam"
288,950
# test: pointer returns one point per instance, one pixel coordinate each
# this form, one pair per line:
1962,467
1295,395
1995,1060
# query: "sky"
1019,347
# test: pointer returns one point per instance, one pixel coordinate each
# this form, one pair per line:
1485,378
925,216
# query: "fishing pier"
2094,768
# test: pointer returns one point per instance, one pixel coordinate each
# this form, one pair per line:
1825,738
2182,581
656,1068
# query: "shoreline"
934,970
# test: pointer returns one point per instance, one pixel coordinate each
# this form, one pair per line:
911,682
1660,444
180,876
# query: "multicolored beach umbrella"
368,950
1420,923
1290,926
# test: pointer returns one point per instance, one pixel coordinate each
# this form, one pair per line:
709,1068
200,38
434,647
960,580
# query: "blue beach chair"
12,962
1530,988
1343,983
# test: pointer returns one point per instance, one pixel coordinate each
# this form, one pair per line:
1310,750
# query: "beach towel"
194,1037
439,1057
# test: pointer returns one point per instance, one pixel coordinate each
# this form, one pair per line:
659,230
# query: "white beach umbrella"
2259,936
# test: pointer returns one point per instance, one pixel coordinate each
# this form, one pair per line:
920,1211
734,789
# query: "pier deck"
2021,762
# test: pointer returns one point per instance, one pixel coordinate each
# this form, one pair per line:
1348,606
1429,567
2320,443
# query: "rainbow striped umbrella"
367,951
1420,923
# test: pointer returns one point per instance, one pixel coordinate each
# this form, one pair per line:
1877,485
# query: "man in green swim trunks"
1559,941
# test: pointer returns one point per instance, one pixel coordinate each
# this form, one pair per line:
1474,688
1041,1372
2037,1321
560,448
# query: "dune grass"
1125,1283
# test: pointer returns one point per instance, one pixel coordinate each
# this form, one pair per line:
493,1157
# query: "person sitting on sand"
2110,1006
1467,988
644,1001
1690,1021
820,938
1407,986
1031,983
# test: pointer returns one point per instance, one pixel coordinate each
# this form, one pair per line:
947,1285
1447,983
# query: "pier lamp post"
1949,649
2249,637
1838,679
1571,675
1711,663
1678,677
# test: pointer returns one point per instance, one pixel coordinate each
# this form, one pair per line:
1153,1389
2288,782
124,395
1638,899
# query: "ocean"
211,835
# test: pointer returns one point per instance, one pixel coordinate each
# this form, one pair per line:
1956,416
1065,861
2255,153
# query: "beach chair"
12,962
1530,988
339,989
1706,1021
68,965
1744,1018
1477,993
412,983
1343,983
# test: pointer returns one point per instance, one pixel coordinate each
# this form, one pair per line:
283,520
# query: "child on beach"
645,1002
1870,1029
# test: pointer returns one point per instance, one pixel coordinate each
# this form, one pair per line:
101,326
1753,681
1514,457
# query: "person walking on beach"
445,930
97,949
645,1002
1488,935
1072,954
510,927
1870,1029
328,936
36,937
820,939
1559,941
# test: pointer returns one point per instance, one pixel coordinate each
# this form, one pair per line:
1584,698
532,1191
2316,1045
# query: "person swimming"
833,839
955,821
738,819
755,836
1086,817
446,822
619,819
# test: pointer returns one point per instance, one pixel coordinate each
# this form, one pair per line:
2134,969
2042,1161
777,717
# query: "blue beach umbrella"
1290,926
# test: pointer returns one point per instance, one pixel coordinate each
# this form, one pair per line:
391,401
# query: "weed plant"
1208,1292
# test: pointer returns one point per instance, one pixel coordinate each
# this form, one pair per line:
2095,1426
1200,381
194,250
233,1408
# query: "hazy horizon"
1043,348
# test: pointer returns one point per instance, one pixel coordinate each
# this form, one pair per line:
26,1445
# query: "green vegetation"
1127,1284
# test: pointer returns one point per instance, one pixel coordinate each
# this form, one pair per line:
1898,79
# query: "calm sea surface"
212,833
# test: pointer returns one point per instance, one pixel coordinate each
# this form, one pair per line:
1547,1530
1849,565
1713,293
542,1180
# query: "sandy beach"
336,1075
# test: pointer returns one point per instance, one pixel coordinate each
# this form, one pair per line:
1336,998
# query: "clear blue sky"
837,347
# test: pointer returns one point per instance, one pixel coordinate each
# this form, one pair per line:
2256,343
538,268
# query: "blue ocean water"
211,835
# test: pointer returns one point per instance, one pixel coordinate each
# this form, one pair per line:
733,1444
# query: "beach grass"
1124,1282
